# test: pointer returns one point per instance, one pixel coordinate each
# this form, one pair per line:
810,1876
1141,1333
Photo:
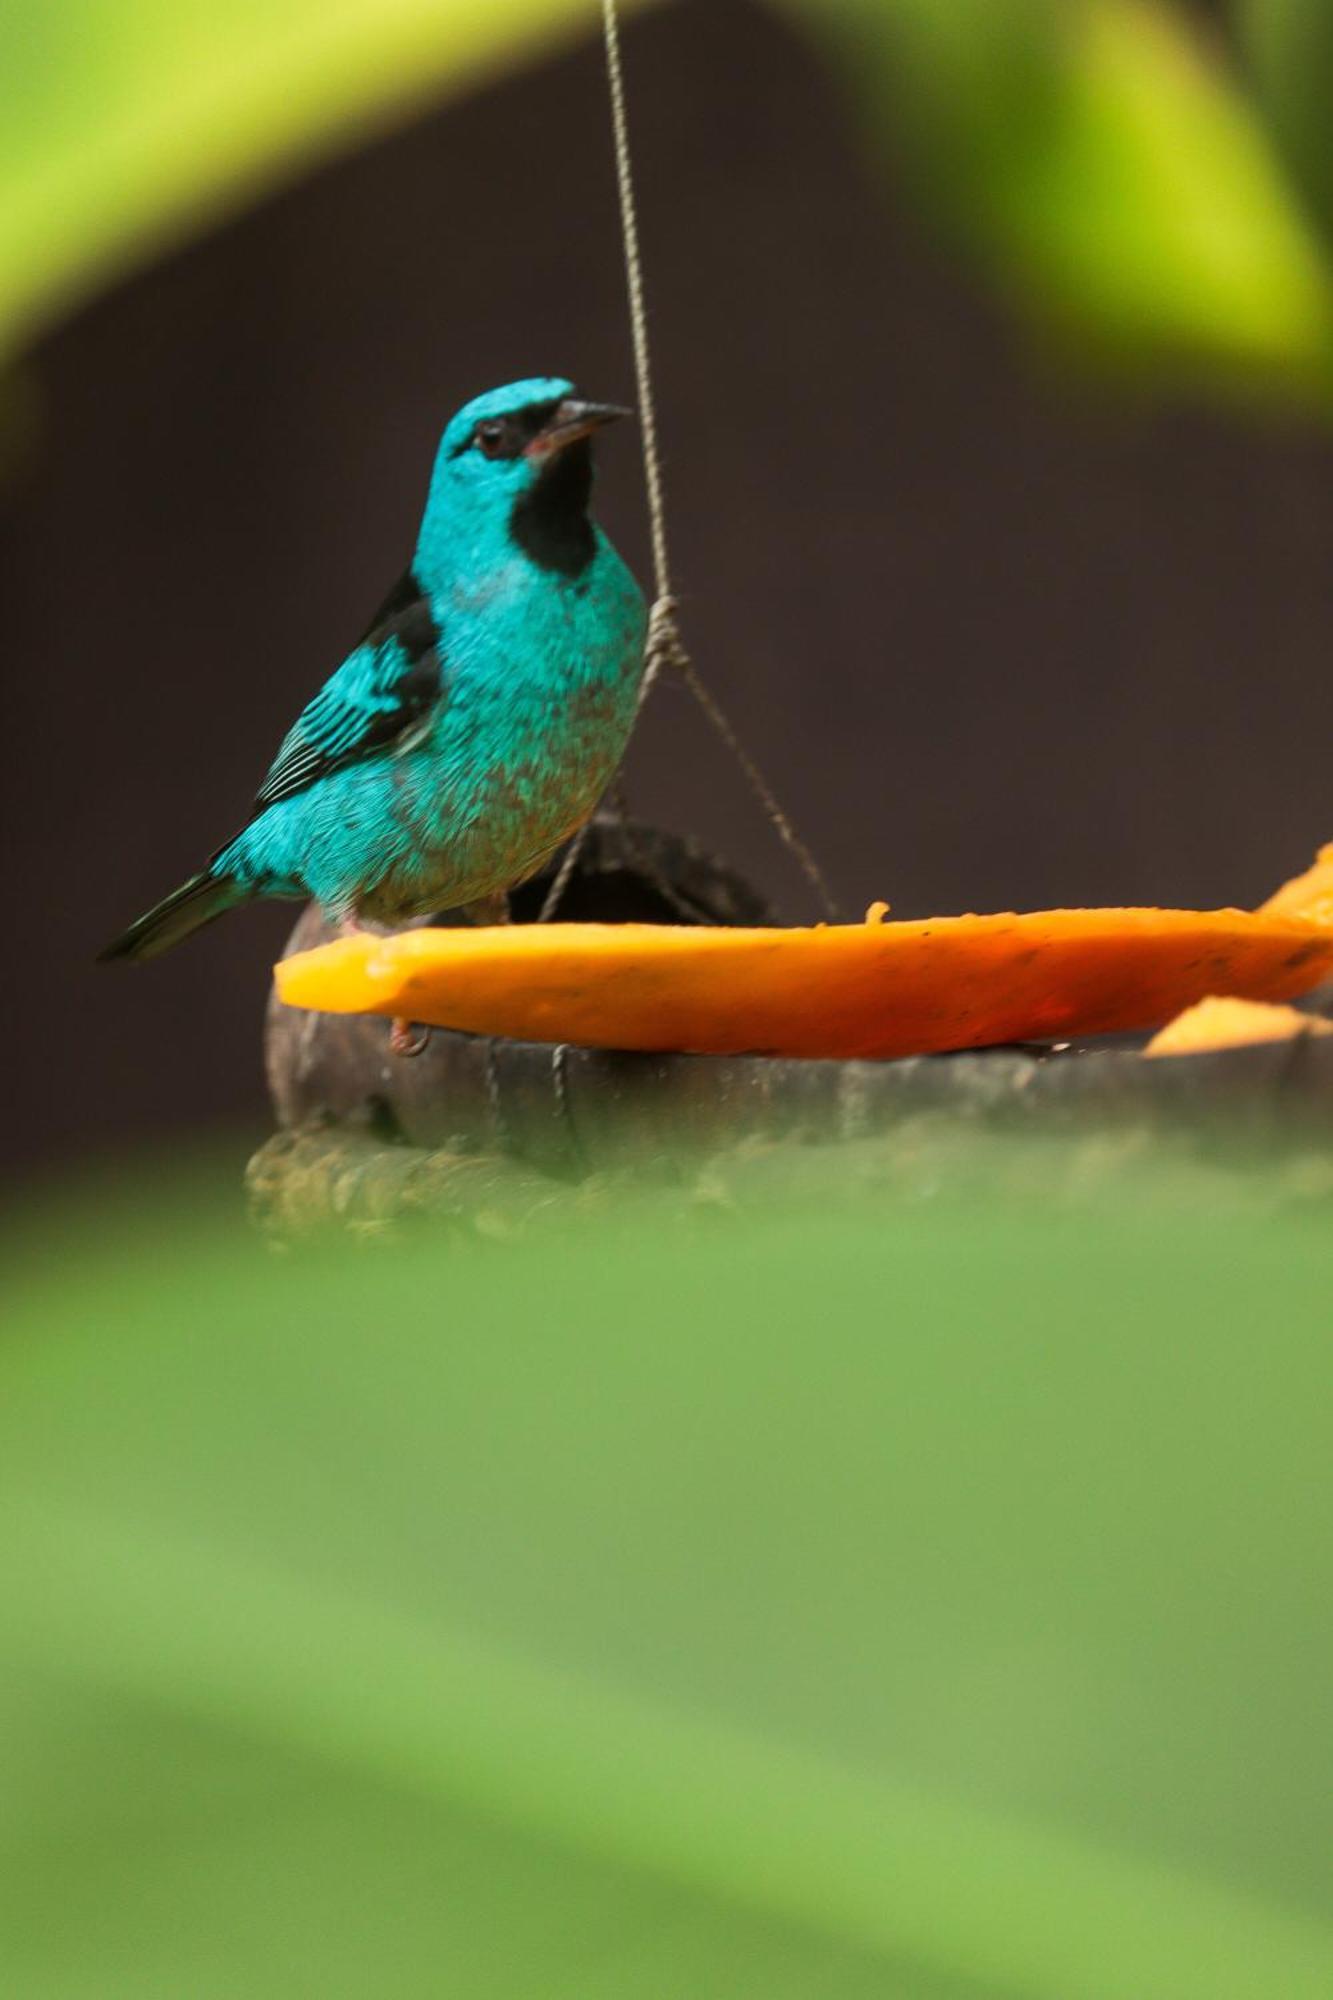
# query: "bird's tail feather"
186,909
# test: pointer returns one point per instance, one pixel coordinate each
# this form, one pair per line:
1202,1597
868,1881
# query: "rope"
670,652
666,649
555,895
635,855
638,310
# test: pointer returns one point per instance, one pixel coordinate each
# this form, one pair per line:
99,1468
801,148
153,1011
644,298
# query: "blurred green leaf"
128,122
1290,45
925,1601
1111,170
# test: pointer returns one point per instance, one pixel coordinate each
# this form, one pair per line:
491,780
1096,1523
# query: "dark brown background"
998,639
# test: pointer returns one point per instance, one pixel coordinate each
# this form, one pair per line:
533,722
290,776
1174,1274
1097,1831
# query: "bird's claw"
407,1038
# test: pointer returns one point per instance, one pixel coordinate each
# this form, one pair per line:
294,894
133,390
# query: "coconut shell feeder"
1041,1021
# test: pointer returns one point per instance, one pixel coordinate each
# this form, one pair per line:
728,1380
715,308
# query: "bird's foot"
407,1038
350,925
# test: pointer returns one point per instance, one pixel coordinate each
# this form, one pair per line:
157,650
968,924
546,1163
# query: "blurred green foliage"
926,1598
129,122
1112,172
1290,45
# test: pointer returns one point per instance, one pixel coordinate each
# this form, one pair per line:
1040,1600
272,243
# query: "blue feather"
479,720
380,696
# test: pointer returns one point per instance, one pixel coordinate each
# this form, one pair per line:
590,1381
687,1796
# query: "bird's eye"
491,438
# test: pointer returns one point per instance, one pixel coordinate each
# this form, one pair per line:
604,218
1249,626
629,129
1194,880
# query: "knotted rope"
665,650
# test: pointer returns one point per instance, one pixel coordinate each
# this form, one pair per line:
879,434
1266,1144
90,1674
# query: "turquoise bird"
479,720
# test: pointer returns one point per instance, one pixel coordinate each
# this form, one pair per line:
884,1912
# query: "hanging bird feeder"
664,1012
484,1120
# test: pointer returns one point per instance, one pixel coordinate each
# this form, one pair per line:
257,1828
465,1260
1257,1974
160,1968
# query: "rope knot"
665,648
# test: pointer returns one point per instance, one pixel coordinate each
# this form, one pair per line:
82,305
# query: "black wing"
381,695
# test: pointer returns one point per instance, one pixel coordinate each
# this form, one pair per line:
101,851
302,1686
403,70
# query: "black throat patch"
550,523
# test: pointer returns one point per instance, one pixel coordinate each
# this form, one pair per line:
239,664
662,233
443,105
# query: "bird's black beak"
571,420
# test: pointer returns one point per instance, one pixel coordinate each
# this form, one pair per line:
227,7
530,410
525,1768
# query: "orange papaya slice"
1222,1023
875,989
1308,895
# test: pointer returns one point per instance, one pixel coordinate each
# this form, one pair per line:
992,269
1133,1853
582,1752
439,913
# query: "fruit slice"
1217,1023
844,990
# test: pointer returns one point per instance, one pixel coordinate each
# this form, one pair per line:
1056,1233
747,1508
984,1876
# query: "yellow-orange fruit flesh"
1223,1023
873,990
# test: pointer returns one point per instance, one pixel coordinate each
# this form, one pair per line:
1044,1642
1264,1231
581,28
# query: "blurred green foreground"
842,1597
